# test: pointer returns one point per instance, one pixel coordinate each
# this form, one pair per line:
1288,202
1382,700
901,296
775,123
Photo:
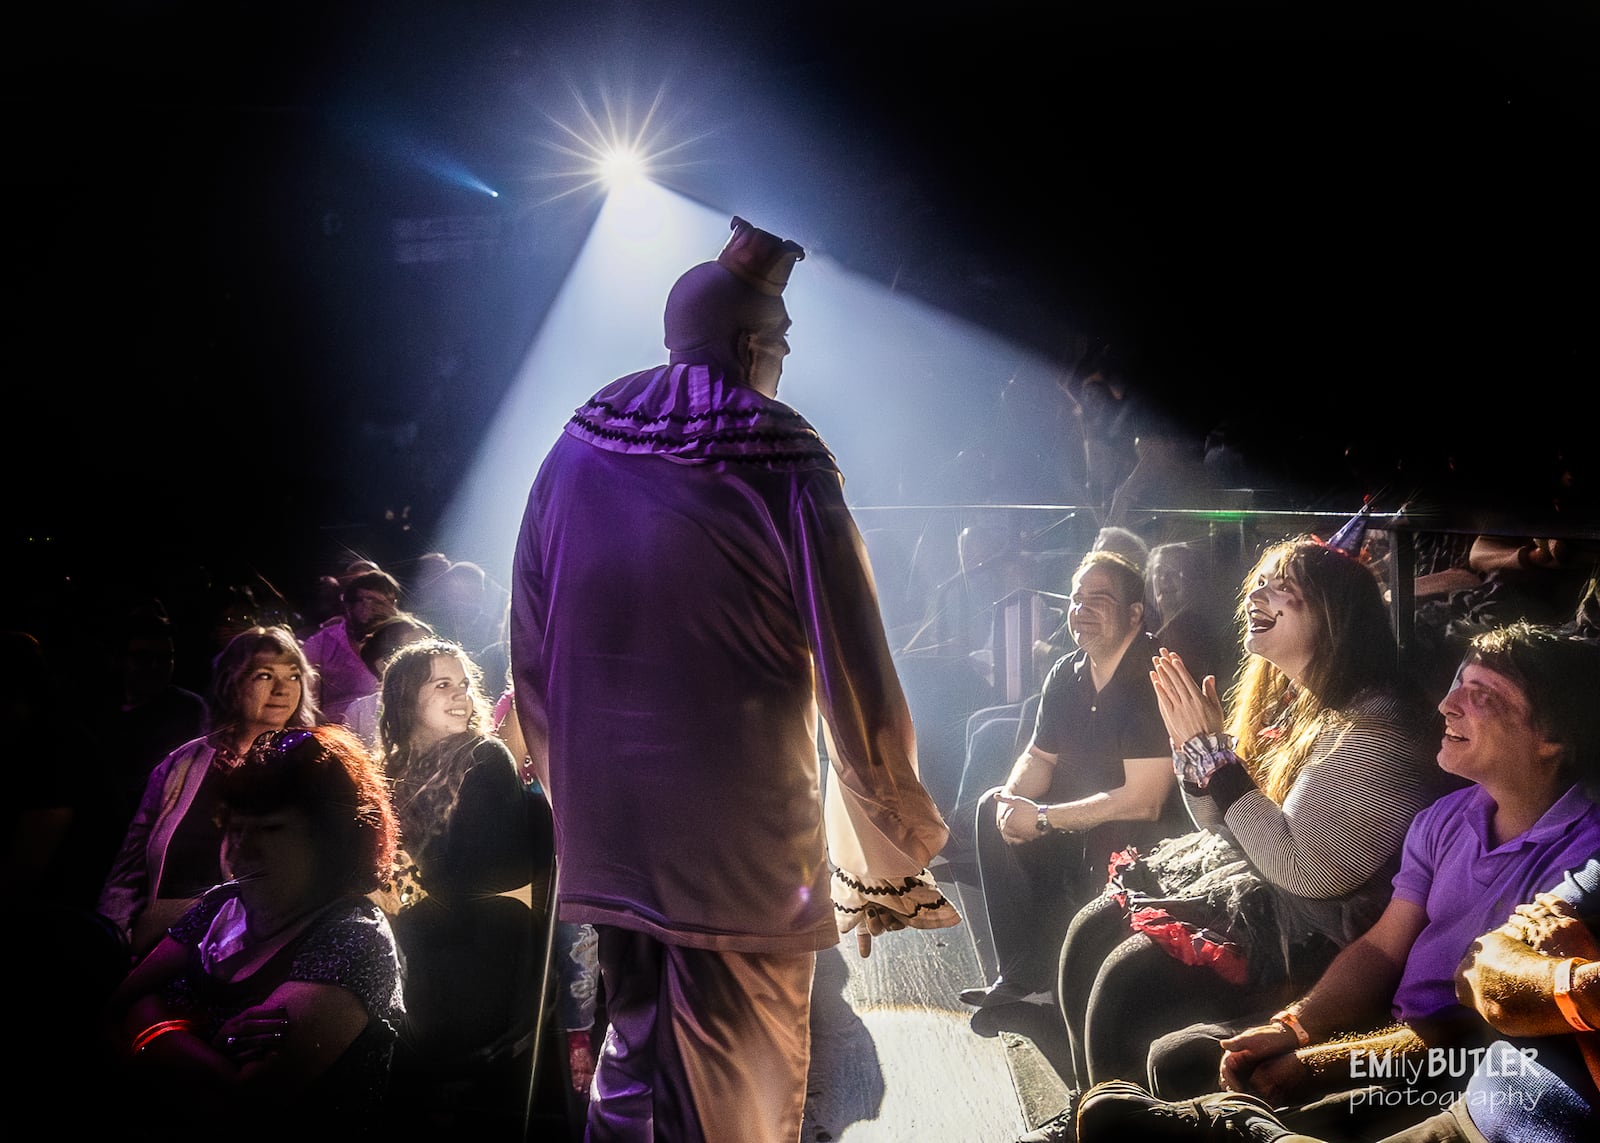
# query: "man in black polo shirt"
1096,777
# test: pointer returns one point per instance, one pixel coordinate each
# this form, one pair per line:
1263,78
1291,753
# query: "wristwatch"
1044,820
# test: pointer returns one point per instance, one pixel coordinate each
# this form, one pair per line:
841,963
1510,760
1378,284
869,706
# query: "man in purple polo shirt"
1520,727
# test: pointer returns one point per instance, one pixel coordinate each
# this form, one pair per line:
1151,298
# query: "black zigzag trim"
871,908
907,886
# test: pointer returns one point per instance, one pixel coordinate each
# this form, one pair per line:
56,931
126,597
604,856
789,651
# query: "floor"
893,1056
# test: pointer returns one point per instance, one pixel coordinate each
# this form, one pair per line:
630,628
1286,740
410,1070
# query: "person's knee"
1186,1063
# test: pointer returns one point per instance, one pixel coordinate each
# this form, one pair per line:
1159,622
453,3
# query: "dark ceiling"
1361,235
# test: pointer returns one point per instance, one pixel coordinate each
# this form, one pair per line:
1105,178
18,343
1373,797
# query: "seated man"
1095,778
1519,725
1535,980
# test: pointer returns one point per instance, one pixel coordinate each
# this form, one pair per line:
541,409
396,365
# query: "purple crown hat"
1349,538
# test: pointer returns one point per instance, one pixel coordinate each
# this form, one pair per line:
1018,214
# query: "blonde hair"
1277,720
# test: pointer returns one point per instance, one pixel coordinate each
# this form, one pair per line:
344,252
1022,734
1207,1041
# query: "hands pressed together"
1188,708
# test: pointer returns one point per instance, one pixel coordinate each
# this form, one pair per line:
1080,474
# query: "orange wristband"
1563,994
1291,1022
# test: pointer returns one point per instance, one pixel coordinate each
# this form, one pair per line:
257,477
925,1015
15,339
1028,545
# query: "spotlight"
620,167
613,148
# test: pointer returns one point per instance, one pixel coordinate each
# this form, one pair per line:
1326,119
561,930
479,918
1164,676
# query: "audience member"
367,597
418,578
271,1008
1519,728
1191,617
1518,578
1125,542
322,606
1535,980
385,638
168,855
461,606
1110,538
466,824
1302,797
1095,778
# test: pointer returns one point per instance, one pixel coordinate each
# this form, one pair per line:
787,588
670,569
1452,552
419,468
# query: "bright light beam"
892,384
605,150
621,167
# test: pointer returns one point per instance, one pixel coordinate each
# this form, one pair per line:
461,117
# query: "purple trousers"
701,1046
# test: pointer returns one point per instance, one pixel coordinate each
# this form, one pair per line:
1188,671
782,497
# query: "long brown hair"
1276,719
427,783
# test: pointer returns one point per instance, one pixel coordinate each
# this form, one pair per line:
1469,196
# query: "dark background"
1367,237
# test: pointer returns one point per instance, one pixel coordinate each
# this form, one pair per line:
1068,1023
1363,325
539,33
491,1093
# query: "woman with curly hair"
274,1003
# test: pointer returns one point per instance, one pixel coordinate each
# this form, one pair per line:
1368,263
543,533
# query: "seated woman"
273,1005
261,682
464,924
1302,806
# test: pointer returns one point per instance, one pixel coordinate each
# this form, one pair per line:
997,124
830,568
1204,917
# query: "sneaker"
1062,1127
1117,1110
1002,991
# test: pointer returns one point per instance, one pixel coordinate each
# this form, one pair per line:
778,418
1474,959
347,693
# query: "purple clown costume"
689,594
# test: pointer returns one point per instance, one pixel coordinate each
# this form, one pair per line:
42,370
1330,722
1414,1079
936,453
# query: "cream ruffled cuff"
881,906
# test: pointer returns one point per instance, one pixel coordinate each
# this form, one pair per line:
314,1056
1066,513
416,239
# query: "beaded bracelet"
1202,756
1563,994
155,1031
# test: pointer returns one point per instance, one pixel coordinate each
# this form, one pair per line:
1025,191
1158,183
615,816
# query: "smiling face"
1170,577
1279,625
444,706
1489,732
1099,619
270,693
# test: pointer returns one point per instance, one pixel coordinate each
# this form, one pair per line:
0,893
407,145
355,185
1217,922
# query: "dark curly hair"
327,773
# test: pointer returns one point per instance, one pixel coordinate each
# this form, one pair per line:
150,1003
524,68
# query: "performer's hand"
863,943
